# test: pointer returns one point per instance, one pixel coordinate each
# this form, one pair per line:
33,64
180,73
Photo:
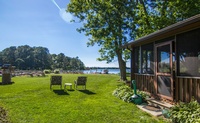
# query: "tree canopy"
109,25
38,58
113,23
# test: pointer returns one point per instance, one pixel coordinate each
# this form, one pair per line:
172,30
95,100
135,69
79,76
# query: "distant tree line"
38,58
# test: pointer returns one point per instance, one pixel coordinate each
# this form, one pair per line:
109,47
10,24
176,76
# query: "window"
147,64
188,50
163,57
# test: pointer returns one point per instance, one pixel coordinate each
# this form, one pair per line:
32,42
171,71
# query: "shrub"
3,115
56,71
47,71
143,94
123,92
185,112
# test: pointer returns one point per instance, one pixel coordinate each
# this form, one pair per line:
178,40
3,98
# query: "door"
164,73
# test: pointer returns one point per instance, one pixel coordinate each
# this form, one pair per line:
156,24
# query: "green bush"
143,94
185,112
47,71
56,71
123,92
3,115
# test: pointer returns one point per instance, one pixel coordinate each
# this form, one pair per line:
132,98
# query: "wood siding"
145,82
185,88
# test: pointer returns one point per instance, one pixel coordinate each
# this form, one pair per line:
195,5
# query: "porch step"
159,103
156,113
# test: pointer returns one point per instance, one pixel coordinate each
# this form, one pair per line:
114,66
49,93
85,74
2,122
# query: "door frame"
164,74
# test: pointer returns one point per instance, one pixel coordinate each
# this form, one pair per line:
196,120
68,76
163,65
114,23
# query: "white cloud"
67,17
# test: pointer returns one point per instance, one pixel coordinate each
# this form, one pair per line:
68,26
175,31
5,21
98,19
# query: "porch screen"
164,85
188,53
147,64
137,60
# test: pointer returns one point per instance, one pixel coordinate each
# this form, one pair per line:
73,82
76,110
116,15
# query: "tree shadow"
87,92
60,92
8,83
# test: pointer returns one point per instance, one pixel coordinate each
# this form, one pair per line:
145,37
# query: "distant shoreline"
89,68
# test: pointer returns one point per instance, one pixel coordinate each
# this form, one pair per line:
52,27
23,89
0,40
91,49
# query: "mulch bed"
3,116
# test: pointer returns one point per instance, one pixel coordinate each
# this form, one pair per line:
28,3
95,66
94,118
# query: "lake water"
110,71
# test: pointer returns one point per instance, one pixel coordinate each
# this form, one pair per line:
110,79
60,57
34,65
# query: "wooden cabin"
166,63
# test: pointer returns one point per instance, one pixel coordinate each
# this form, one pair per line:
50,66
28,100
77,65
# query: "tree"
19,63
60,60
42,58
25,53
157,14
1,60
112,23
8,55
37,58
109,25
76,64
66,63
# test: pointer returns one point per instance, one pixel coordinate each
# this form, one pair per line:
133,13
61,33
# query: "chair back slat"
56,80
81,80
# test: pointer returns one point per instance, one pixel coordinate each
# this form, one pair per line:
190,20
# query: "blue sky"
39,23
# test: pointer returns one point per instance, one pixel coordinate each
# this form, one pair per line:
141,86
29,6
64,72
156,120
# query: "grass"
30,100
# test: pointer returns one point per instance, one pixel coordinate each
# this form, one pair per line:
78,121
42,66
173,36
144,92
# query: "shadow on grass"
70,90
87,92
8,83
60,92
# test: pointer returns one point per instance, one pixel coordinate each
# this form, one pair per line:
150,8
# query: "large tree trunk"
122,66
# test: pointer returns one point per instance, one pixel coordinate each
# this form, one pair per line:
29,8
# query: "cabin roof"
177,28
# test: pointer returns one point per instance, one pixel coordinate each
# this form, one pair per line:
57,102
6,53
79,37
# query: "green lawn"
30,100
